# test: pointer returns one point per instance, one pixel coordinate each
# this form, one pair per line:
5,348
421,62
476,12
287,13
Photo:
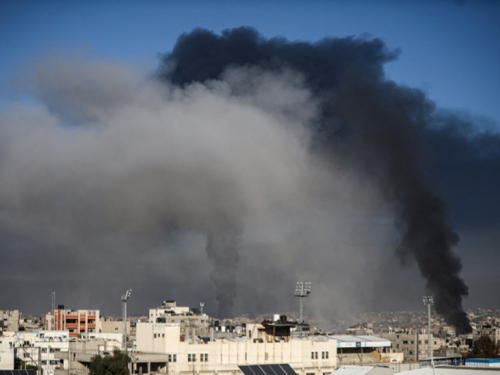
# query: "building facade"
193,322
415,346
9,320
75,322
160,348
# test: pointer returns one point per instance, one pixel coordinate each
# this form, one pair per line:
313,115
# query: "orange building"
75,321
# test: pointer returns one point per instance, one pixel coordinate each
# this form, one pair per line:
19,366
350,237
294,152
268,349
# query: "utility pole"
429,301
125,298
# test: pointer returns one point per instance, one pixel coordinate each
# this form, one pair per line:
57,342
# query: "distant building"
365,329
489,330
192,322
113,326
75,321
414,345
9,320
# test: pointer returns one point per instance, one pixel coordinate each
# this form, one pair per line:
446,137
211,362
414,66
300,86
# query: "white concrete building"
192,322
6,353
39,348
160,348
112,341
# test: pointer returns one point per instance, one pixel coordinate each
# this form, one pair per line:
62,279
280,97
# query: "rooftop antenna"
125,298
201,307
302,290
54,324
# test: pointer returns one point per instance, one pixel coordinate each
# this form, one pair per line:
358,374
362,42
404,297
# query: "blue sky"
449,49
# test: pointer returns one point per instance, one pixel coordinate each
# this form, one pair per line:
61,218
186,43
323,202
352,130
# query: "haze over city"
220,152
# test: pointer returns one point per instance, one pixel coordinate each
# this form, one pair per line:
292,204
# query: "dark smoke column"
223,238
368,123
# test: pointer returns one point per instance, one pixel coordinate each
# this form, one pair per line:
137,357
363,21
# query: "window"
310,373
324,355
191,357
405,342
173,357
204,357
314,355
155,335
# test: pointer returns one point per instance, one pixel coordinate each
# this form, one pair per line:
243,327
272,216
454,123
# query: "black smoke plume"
368,122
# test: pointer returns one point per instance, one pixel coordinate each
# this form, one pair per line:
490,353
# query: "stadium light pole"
302,290
429,301
125,298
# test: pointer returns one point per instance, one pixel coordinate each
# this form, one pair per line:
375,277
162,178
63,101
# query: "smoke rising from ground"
249,165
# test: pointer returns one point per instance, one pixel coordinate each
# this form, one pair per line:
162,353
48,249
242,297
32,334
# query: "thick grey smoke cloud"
371,124
111,165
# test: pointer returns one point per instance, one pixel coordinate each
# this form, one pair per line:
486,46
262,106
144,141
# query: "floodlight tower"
125,298
302,290
429,301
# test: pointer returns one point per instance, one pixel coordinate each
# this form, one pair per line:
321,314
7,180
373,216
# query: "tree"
117,364
485,347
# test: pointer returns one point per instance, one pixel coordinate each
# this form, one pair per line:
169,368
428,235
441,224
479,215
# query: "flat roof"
349,341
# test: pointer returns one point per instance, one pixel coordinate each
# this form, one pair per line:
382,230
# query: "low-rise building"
39,348
193,322
413,344
160,347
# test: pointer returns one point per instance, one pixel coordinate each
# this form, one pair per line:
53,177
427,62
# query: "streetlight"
125,298
302,290
429,301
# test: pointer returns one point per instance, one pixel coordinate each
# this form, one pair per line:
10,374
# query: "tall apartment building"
191,321
9,320
75,321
